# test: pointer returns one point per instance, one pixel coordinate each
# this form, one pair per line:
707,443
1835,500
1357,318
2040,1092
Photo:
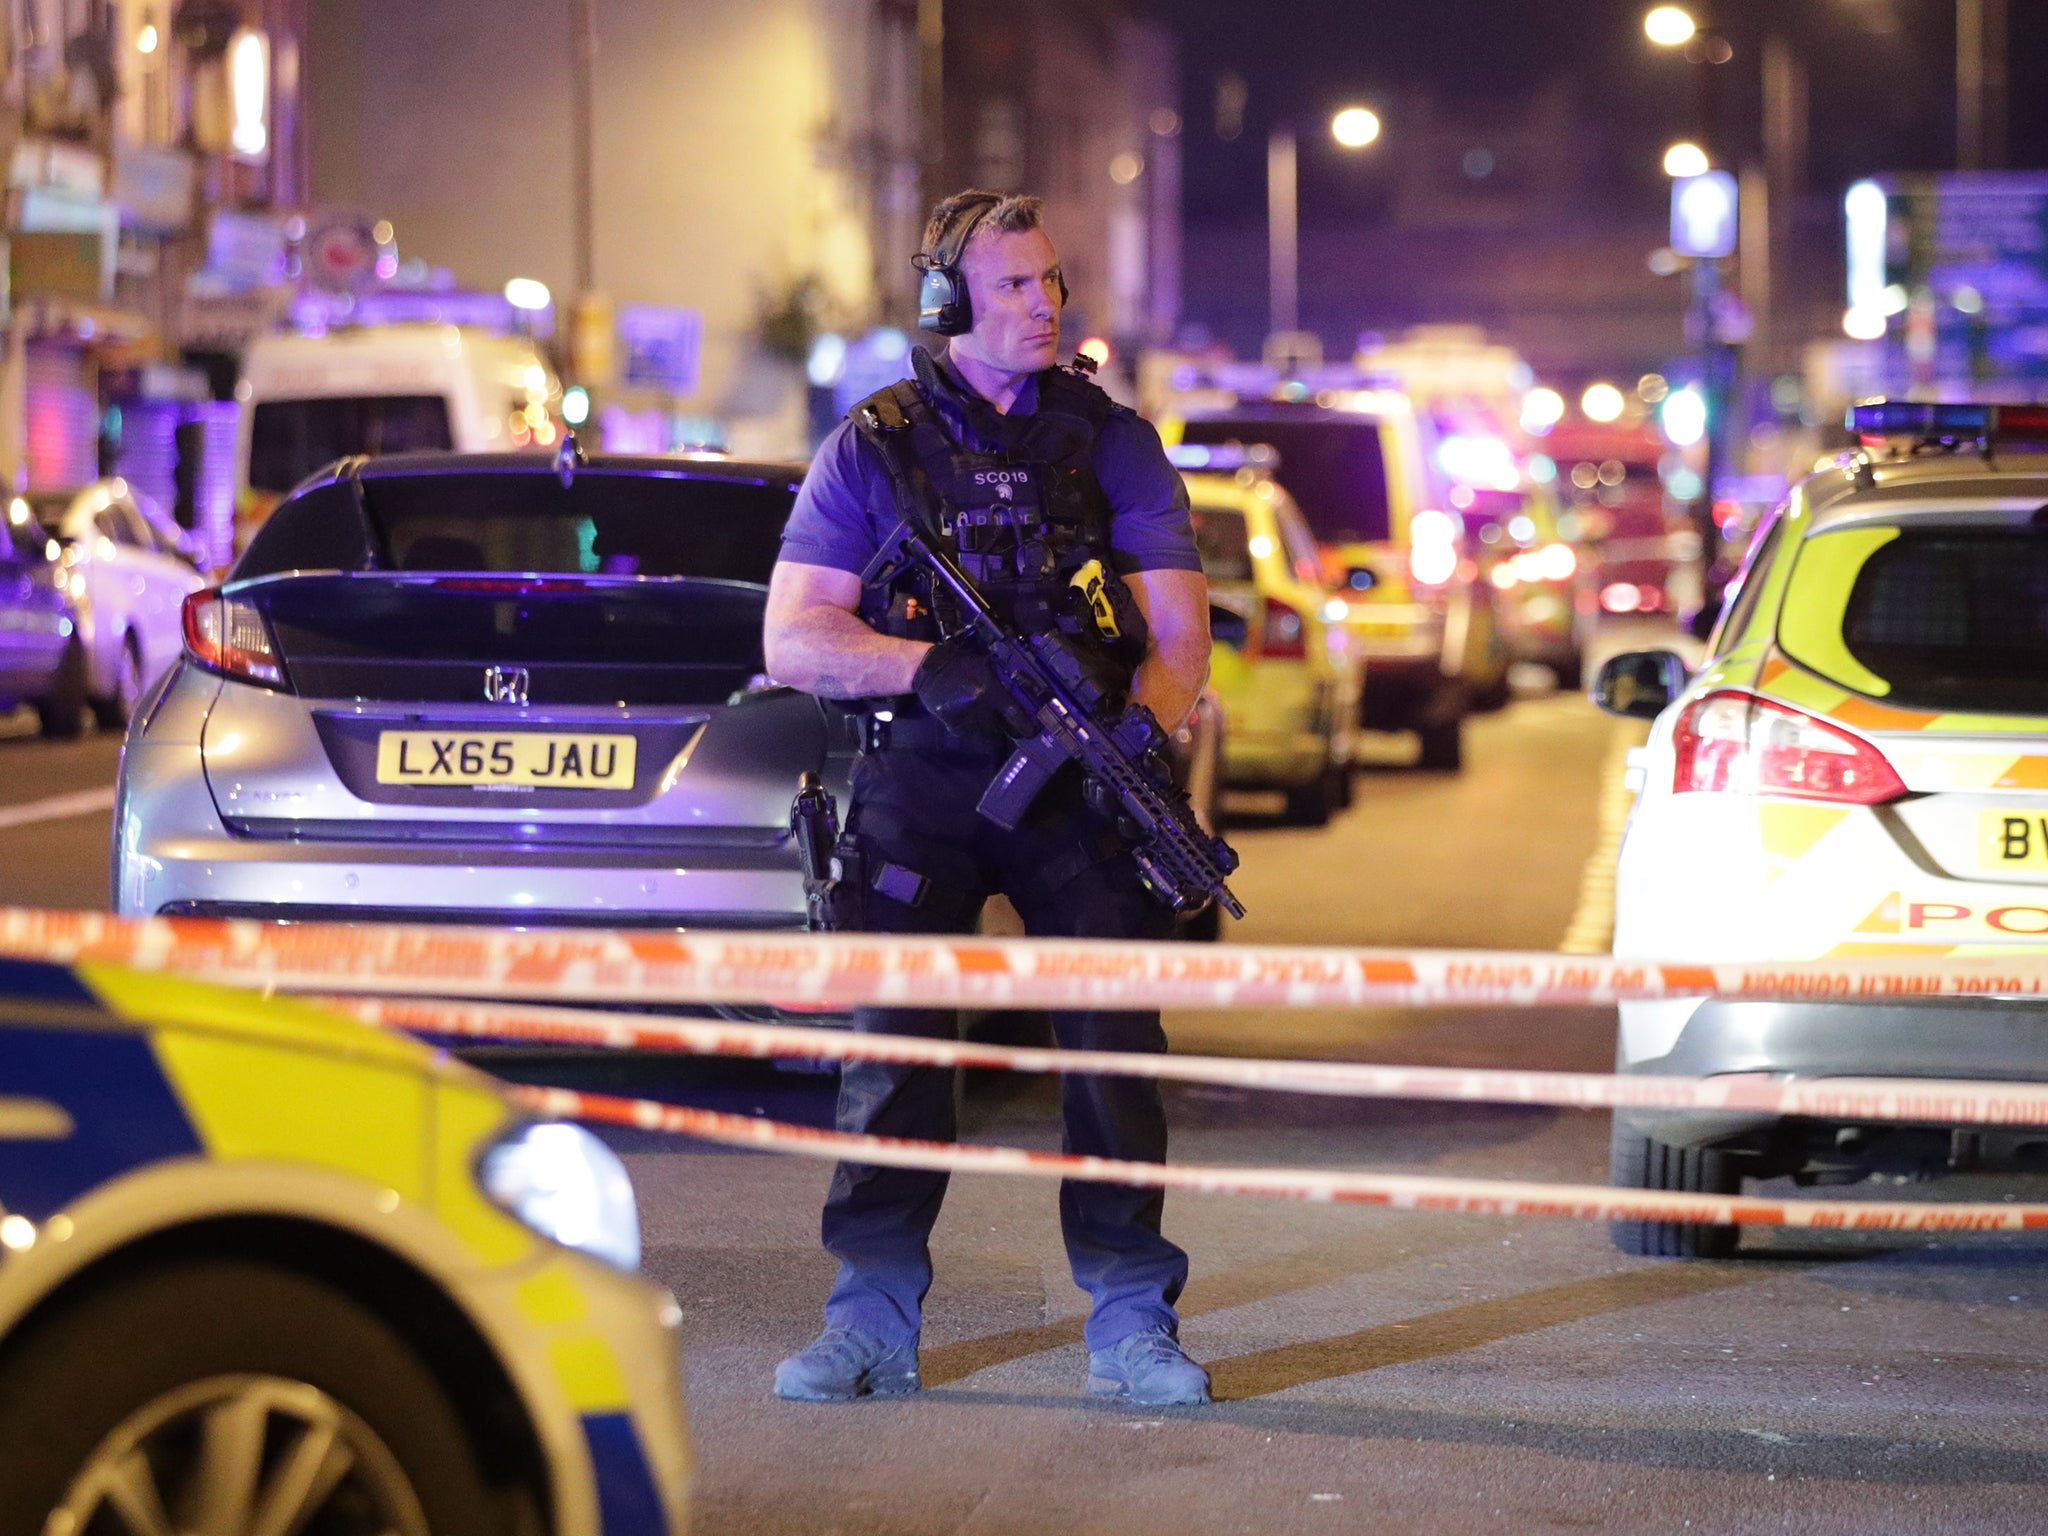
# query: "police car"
264,1269
1357,462
1860,767
1288,671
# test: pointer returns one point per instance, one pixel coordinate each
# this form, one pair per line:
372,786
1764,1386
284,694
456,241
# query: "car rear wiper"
372,557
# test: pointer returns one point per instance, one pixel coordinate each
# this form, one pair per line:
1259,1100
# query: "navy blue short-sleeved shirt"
846,507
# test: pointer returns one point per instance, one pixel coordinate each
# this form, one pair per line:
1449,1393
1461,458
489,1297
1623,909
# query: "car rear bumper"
230,877
1274,758
174,855
1992,1039
1280,726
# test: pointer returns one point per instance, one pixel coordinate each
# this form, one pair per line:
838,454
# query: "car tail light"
1628,597
227,636
1283,636
1731,742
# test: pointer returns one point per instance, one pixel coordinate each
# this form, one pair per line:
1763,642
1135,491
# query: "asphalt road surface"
1376,1371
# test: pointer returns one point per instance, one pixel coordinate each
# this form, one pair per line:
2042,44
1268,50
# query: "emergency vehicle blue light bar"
1919,418
1223,458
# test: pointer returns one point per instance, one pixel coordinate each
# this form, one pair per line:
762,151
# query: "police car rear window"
1331,464
1223,542
1955,619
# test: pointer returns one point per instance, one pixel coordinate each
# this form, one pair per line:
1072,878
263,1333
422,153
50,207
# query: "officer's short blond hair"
1012,214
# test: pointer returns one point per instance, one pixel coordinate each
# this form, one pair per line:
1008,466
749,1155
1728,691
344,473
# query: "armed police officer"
1063,509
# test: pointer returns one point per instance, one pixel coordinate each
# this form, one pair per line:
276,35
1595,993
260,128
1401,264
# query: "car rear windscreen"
1331,465
289,439
604,523
1955,619
1224,543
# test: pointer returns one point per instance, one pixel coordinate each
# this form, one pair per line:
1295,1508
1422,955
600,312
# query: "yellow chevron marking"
2025,773
1884,918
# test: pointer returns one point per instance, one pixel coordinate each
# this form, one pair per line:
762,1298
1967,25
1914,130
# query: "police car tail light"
1283,636
1736,743
227,636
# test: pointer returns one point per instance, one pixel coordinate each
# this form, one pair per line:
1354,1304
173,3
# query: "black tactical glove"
1101,683
957,684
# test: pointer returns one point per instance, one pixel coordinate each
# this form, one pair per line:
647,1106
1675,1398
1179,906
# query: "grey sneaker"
844,1363
1149,1368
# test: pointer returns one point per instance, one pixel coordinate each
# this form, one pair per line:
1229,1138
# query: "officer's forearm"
1176,664
830,653
1165,686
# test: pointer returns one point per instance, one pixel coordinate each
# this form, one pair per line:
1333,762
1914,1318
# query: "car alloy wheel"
241,1454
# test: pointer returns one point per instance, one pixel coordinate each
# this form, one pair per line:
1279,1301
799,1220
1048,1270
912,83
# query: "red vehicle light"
1283,635
1733,742
229,637
2027,422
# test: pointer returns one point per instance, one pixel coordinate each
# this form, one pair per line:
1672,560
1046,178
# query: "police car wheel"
1343,786
1443,746
1638,1162
228,1395
111,712
1308,805
60,714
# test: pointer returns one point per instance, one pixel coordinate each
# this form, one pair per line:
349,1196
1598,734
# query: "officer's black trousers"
1067,877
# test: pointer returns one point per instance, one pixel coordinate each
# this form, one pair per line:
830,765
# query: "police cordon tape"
1892,1099
842,970
845,970
1410,1192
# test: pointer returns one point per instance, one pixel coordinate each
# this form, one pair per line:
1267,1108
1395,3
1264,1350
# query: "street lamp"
1353,128
1668,26
1685,159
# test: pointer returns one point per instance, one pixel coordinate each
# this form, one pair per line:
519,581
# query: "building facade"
753,162
129,125
761,165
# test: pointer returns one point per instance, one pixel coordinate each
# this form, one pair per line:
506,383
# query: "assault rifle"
1054,712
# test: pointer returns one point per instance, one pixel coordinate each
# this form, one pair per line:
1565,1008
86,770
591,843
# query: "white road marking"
82,802
1592,926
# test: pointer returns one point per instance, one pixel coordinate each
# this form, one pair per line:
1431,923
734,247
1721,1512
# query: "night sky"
1881,80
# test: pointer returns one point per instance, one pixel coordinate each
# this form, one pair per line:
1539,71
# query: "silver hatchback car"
490,689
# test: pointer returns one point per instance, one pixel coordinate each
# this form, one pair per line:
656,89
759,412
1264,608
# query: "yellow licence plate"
2009,840
453,759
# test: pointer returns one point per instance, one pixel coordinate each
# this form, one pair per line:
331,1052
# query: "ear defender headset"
943,306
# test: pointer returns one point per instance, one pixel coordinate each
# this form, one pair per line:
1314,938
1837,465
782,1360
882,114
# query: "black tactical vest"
1028,521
